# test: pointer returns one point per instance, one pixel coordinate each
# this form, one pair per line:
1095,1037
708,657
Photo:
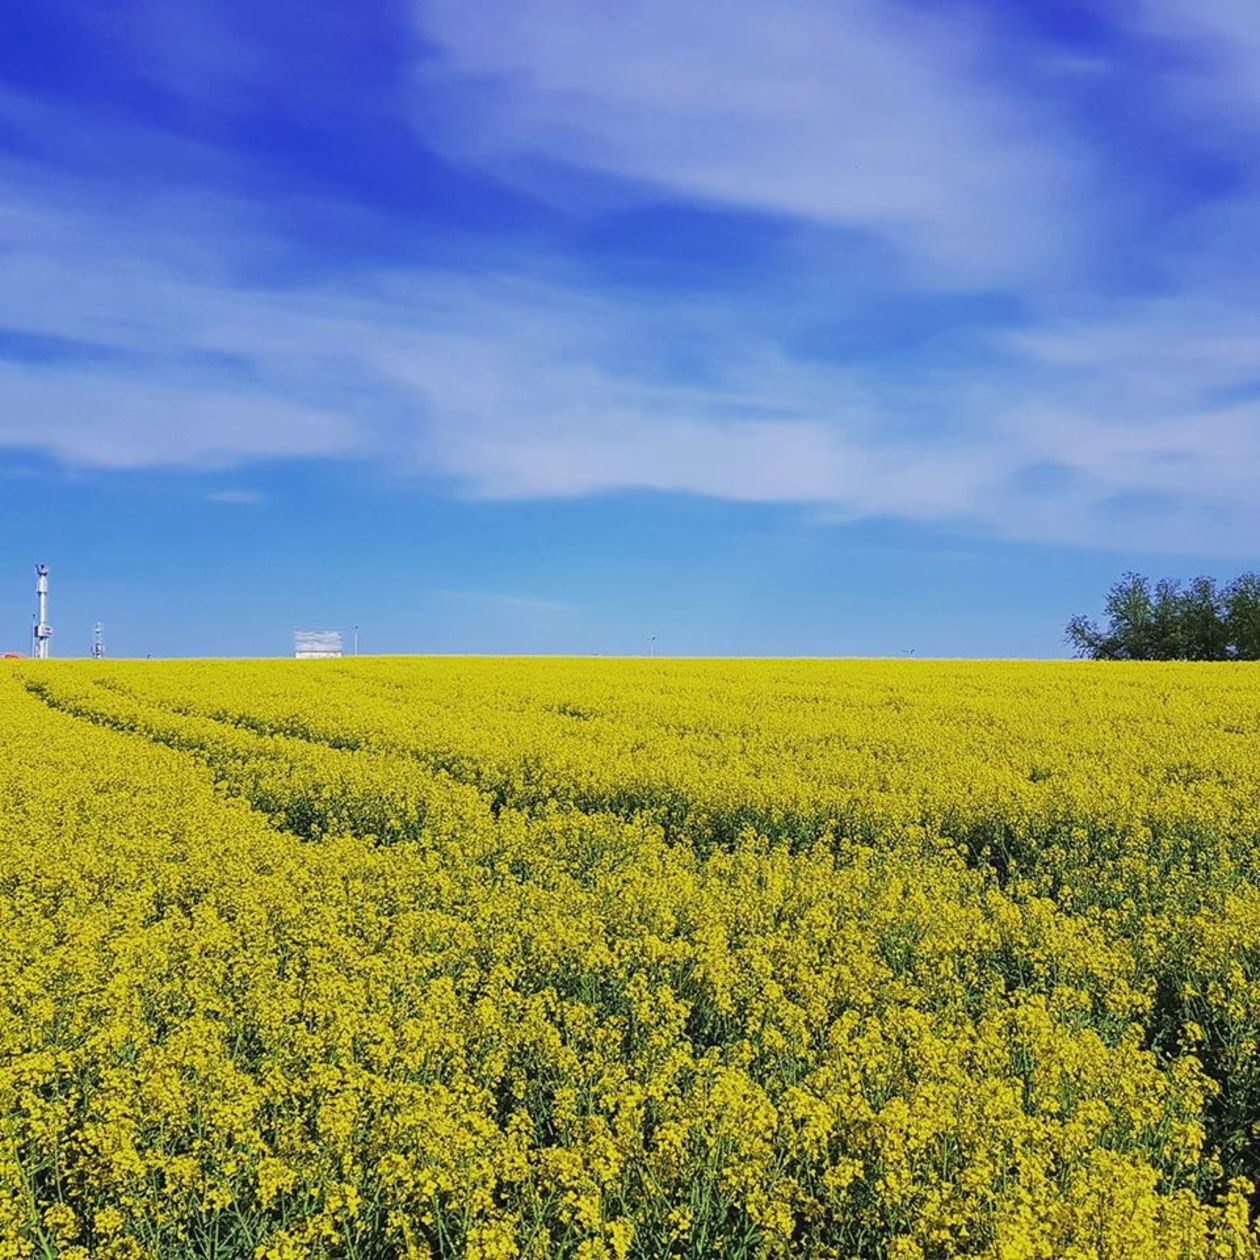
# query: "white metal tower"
98,642
42,631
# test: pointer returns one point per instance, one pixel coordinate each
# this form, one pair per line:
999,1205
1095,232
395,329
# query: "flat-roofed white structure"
315,645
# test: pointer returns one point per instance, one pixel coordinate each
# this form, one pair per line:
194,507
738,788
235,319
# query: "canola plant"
473,958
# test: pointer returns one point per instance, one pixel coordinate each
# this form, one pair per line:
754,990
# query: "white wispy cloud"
1106,419
522,388
859,114
1225,35
106,418
237,497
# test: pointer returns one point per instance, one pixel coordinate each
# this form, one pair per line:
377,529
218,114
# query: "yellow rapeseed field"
534,958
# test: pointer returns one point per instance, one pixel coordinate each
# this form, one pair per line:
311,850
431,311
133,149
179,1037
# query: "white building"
315,645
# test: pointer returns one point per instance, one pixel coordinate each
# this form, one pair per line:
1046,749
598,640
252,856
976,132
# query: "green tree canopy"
1171,622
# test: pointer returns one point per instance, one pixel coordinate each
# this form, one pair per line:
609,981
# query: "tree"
1242,617
1199,622
1205,632
1129,618
1168,638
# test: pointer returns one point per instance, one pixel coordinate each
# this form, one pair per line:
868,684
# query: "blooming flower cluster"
629,959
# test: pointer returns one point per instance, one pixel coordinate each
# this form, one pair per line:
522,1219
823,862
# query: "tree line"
1199,621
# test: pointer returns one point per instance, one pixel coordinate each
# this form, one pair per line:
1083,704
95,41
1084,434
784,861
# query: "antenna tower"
98,642
42,631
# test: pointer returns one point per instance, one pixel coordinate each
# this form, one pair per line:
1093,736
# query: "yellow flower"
608,958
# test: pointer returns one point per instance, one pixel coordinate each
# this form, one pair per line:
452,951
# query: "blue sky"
834,328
